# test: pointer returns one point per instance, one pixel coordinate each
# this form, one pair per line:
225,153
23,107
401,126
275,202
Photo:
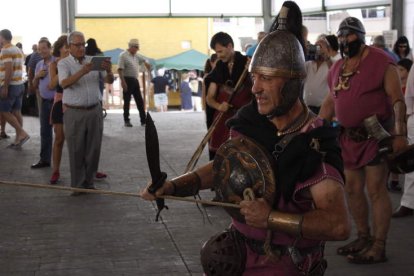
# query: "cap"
133,42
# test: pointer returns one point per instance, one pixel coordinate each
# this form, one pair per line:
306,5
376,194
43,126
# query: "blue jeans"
46,131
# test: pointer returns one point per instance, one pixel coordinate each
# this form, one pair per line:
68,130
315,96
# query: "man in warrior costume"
222,80
284,233
365,83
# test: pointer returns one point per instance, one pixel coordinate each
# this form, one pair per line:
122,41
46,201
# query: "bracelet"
285,222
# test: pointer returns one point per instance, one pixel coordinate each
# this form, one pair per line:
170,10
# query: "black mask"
353,48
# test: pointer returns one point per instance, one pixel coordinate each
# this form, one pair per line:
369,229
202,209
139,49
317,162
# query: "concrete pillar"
67,8
397,10
267,14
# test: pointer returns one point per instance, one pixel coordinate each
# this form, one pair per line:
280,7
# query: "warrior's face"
224,53
349,43
268,92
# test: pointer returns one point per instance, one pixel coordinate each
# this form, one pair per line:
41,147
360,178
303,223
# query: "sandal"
372,255
363,241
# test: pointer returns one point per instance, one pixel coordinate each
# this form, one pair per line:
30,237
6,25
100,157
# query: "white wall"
408,23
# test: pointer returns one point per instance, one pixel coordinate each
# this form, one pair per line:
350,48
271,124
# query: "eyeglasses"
135,46
79,45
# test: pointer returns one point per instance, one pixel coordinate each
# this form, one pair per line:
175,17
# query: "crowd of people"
294,113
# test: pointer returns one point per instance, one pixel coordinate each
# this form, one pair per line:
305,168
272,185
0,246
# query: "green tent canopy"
189,60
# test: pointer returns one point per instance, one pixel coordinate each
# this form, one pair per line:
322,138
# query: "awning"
189,60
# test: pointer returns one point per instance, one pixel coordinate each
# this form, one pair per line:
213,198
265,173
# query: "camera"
314,51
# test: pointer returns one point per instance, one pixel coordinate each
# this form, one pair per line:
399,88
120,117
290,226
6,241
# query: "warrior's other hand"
166,189
255,212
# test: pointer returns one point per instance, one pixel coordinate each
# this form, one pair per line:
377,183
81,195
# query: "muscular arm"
330,219
211,99
392,86
327,111
211,96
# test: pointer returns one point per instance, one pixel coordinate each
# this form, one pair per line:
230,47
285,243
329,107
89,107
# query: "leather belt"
80,107
357,134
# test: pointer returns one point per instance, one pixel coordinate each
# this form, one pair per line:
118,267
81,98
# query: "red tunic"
365,97
258,265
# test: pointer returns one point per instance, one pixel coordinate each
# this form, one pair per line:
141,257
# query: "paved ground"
45,232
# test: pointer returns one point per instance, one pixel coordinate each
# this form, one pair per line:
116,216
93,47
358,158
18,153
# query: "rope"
114,193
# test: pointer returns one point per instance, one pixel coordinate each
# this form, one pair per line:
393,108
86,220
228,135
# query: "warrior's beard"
353,48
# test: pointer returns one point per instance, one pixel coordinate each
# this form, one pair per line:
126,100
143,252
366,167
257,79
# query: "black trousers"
134,90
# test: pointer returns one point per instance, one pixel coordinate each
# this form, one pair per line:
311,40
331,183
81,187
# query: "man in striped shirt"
11,83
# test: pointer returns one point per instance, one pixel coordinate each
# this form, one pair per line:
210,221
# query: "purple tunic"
259,264
365,97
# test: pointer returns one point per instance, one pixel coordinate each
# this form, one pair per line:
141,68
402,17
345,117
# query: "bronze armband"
400,120
285,222
186,185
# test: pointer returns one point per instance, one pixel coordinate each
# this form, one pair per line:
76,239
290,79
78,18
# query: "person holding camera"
316,83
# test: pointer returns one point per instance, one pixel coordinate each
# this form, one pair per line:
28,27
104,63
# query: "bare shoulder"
327,192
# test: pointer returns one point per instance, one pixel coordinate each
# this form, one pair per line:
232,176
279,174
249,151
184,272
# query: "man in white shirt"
128,70
316,83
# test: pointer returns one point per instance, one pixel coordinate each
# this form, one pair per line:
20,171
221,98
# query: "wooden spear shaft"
106,192
194,159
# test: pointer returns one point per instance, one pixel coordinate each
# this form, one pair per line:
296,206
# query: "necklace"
297,124
344,77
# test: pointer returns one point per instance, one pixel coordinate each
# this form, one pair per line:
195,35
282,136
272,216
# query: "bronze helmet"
279,54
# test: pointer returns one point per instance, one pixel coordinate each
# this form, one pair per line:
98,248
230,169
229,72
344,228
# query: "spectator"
83,121
185,93
404,67
92,49
196,89
379,42
41,82
34,59
12,88
406,207
128,70
60,51
316,83
27,60
160,85
402,48
251,50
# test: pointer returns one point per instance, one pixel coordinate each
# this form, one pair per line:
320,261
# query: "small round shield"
242,163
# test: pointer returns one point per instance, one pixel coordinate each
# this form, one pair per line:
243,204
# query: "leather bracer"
186,185
400,121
